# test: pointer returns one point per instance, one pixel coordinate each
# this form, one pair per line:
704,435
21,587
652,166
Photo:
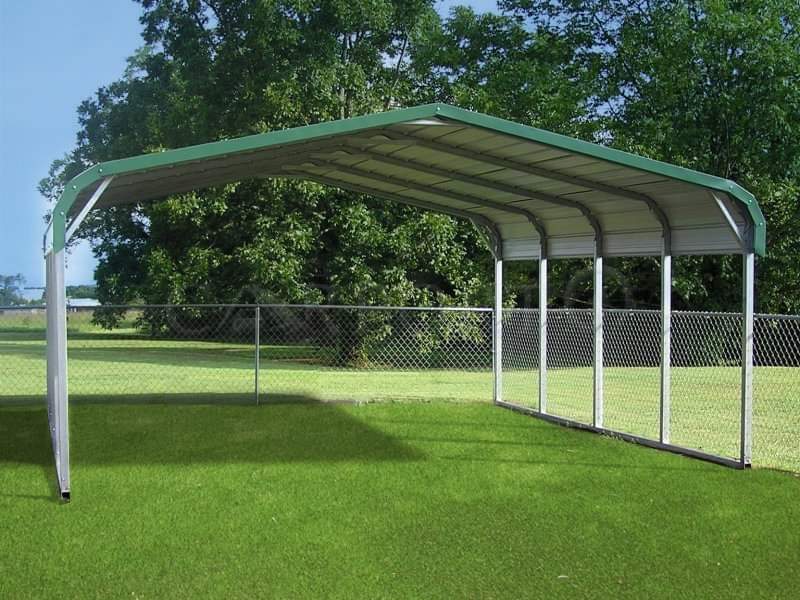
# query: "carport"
534,194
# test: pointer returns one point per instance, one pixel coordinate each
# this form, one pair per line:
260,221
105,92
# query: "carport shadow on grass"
192,430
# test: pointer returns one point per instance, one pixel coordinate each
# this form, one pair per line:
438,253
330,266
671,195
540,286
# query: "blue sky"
53,55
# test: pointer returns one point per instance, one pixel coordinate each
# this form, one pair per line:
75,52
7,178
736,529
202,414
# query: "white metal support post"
665,412
498,330
597,405
56,294
748,304
543,331
57,367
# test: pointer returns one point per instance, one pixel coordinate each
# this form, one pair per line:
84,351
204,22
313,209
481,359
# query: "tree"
10,290
216,69
713,85
494,64
81,291
709,84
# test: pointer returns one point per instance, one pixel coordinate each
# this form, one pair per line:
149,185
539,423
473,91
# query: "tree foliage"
11,290
216,69
712,85
709,84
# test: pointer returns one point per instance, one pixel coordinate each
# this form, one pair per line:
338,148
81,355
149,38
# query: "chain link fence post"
258,350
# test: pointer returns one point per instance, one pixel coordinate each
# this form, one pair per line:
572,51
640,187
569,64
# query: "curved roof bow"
535,191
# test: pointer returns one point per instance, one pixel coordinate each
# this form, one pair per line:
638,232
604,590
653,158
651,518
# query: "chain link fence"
706,382
271,353
23,355
366,353
776,392
570,360
210,354
521,357
632,371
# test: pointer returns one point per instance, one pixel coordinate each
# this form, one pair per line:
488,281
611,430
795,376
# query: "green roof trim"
384,119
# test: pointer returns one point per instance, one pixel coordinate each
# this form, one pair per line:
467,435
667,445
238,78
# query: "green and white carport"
535,195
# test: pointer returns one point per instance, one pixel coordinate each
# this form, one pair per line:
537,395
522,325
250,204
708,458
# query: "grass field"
125,366
183,487
436,500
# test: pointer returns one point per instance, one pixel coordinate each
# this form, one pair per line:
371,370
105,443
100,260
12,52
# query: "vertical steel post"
665,411
258,349
748,304
498,330
543,333
57,391
597,412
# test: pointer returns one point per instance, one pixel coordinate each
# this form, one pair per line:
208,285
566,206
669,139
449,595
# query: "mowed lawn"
125,366
436,500
183,487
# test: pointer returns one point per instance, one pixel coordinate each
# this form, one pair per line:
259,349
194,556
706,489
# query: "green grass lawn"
409,500
182,486
125,366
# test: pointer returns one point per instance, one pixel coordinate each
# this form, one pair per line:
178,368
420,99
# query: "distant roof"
80,302
524,184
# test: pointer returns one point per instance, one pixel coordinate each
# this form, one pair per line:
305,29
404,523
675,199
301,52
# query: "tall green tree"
497,64
494,63
713,85
212,69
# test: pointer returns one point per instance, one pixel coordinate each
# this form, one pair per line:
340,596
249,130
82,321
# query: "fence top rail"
631,311
698,313
478,309
777,317
307,306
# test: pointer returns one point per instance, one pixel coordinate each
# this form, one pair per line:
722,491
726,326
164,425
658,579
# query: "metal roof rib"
403,183
479,220
505,163
534,170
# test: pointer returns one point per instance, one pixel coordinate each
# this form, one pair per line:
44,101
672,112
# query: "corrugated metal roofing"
520,182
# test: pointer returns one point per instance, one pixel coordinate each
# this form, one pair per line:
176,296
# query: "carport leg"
57,361
543,334
748,291
666,345
597,412
498,330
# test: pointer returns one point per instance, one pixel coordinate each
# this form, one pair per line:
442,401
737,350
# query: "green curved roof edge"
383,119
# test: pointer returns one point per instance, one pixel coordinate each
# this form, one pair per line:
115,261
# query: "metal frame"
297,154
543,330
726,210
524,193
57,401
420,115
748,304
597,317
497,337
411,185
665,408
257,352
79,218
628,437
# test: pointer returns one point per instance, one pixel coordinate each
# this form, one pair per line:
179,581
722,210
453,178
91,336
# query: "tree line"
12,292
713,85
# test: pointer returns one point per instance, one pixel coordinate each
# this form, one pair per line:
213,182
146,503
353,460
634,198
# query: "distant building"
82,302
